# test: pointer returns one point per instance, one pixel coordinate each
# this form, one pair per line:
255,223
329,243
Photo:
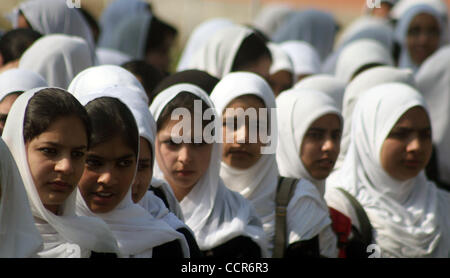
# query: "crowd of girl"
94,163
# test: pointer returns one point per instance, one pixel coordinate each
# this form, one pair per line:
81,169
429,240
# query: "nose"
414,144
241,135
107,178
64,165
185,155
329,145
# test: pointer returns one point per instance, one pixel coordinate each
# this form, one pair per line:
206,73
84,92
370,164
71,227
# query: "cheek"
88,181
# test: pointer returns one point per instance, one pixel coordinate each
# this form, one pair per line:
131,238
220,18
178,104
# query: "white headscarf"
14,80
402,27
18,235
108,56
298,109
318,28
271,17
57,58
404,5
130,35
410,218
137,232
280,59
304,57
324,83
114,13
213,212
365,27
100,77
199,37
65,235
433,80
358,54
354,90
217,56
307,214
55,17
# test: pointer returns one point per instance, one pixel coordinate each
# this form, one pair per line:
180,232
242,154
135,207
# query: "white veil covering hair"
199,37
18,235
272,16
136,230
355,89
104,76
324,83
358,54
305,59
433,80
410,217
401,31
15,80
55,17
57,58
65,235
213,212
107,56
307,214
280,59
217,55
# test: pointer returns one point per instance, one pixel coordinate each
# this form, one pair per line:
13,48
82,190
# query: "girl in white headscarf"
58,58
361,55
224,223
233,48
18,234
105,189
281,71
317,28
383,169
13,82
415,22
325,83
104,76
304,57
199,37
361,83
55,17
48,147
245,168
433,81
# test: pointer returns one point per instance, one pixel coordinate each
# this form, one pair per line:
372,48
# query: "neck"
55,209
180,193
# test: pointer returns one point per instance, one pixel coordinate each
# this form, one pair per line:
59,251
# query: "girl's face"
144,171
321,145
407,149
56,159
182,164
423,37
281,81
22,22
108,174
261,67
241,153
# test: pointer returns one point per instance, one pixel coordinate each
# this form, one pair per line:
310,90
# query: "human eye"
77,154
143,165
48,151
93,162
124,163
315,134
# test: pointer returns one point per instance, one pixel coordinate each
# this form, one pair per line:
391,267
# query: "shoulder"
337,200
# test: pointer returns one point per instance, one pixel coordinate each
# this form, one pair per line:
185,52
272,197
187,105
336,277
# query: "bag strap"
285,191
364,222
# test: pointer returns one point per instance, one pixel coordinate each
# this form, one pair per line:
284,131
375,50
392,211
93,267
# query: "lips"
326,163
184,173
412,163
102,197
239,152
59,185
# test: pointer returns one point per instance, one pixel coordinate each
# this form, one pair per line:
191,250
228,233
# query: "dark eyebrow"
316,129
53,144
94,156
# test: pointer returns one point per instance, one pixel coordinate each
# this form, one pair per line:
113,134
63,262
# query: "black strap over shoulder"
364,222
285,191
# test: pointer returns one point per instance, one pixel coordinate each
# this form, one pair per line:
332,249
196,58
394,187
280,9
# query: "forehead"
424,19
69,131
113,148
327,121
246,101
414,117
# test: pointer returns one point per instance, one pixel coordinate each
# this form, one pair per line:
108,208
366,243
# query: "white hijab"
15,80
366,80
199,37
18,235
114,13
107,56
358,54
57,58
213,212
137,232
217,55
304,57
55,17
433,80
100,77
65,235
410,218
280,59
402,27
327,84
271,17
259,183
